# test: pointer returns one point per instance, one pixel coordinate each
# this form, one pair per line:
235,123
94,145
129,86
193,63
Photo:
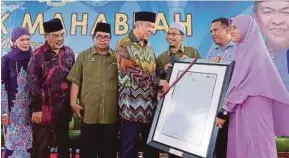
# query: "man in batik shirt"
137,85
48,69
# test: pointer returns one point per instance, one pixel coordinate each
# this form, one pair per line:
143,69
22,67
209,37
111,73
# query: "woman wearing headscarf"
255,89
15,113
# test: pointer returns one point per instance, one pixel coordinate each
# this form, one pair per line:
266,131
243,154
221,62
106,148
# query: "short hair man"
222,49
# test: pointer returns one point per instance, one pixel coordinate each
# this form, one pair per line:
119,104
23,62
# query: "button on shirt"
226,53
96,75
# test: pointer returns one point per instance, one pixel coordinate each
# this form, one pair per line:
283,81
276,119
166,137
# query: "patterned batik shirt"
136,76
50,89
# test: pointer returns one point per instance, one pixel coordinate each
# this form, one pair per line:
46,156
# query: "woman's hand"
220,122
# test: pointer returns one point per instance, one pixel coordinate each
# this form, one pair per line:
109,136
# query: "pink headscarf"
255,73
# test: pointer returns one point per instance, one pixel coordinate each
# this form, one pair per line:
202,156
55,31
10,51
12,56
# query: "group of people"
115,92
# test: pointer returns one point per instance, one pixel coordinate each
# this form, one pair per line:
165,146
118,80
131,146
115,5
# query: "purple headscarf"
255,73
18,32
15,51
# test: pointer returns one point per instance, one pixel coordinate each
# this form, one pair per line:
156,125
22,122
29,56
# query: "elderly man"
223,48
47,70
272,18
175,37
138,83
94,75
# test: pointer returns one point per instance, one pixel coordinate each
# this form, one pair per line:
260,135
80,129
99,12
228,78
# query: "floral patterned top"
15,101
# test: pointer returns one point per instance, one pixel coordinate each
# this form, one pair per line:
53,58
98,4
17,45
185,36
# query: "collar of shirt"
230,44
94,51
181,50
133,38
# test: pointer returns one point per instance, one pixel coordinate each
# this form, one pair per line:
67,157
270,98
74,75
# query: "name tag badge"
92,59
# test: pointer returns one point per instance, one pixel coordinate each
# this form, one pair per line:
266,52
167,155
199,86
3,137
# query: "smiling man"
273,20
223,48
137,85
175,38
49,88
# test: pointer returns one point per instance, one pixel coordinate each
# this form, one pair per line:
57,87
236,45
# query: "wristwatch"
223,114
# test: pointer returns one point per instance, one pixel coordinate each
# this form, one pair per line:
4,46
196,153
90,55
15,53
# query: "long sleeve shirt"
50,89
137,78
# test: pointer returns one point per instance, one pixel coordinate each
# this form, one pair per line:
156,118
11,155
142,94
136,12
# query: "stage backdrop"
80,17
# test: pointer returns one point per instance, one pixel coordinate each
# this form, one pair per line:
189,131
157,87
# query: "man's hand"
165,85
5,119
167,66
184,57
76,109
220,122
216,59
37,117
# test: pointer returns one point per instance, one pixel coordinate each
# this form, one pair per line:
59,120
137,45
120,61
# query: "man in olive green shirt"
175,37
94,75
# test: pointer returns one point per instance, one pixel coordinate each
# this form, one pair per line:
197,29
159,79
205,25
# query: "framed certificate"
184,123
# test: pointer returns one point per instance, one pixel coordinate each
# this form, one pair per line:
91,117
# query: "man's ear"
183,38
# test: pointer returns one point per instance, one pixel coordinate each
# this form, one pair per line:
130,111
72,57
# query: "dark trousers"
43,134
221,142
129,138
98,140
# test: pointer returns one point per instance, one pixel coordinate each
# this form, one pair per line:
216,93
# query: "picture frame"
180,128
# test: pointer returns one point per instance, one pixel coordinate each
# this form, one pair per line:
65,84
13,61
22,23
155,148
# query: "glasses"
105,38
173,34
58,35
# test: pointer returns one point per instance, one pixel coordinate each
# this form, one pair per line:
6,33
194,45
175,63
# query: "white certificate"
191,111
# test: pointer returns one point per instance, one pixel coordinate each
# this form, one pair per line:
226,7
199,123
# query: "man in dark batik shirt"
50,90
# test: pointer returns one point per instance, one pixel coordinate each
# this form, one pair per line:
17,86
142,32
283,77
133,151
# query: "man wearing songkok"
94,82
137,85
47,71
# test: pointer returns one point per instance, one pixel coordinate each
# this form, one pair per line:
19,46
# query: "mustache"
281,26
170,39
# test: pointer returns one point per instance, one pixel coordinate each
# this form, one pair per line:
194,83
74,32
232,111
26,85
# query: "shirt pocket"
112,71
92,71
